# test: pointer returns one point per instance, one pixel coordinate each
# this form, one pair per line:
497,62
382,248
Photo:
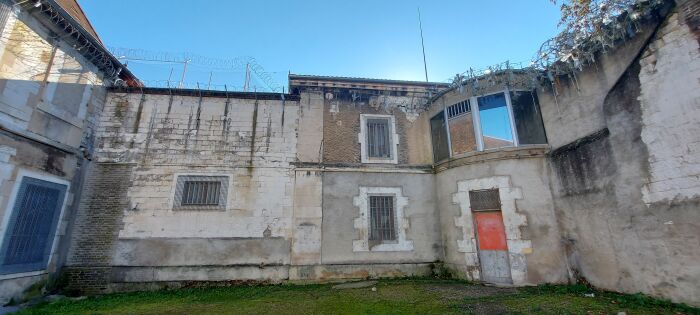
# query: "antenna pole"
425,64
184,71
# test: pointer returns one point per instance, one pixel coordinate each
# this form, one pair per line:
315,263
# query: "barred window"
197,192
382,218
484,200
32,227
458,109
378,138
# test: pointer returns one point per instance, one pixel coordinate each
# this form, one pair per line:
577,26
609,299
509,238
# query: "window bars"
458,109
382,218
378,138
200,192
32,226
484,200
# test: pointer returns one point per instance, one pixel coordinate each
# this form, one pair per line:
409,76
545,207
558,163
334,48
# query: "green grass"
408,296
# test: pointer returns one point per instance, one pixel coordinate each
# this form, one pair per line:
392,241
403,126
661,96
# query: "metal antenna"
425,64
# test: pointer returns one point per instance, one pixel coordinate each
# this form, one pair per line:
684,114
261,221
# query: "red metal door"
493,247
491,231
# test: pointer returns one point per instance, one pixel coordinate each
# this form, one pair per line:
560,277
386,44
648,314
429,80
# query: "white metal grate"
199,192
459,109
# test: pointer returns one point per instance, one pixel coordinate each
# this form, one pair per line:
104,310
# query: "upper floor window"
378,139
503,119
200,192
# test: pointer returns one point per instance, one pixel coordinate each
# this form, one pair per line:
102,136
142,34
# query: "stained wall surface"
626,189
50,98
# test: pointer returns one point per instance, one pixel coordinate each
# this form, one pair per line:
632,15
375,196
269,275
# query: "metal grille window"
378,138
32,226
382,218
200,193
483,200
197,192
458,109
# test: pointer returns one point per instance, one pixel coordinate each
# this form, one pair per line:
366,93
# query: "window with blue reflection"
496,131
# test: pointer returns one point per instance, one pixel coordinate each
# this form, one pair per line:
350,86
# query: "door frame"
21,174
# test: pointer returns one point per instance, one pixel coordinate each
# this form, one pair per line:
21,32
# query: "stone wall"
532,233
249,138
626,190
341,118
97,222
50,98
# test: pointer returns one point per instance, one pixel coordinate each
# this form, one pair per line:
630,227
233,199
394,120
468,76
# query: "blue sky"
359,38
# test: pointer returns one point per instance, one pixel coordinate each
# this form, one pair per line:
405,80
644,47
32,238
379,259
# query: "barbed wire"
602,26
231,64
607,24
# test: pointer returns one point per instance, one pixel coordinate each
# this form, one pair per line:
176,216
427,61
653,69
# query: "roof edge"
206,93
293,76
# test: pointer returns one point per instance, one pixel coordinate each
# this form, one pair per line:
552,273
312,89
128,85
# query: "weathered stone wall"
532,233
50,97
341,119
97,222
626,191
251,138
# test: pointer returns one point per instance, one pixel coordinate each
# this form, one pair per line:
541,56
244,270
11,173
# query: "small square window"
196,192
382,219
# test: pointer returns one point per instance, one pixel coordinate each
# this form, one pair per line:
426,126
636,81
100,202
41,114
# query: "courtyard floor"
399,296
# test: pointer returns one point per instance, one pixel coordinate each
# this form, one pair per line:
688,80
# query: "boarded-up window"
378,138
382,218
199,192
32,226
461,127
528,119
438,131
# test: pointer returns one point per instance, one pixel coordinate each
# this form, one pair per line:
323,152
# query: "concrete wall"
531,227
252,141
340,230
626,191
50,97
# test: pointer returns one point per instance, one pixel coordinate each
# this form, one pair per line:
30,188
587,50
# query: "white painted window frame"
21,174
173,191
476,118
394,138
362,223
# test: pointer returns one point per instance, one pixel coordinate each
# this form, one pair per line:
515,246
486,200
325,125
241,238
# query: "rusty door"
491,237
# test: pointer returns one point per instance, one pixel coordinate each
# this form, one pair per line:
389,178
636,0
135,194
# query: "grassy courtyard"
407,296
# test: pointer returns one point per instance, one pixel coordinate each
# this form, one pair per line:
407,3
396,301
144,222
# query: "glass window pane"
495,122
378,141
528,119
438,130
